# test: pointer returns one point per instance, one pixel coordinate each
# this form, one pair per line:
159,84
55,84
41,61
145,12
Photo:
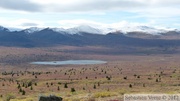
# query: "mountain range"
142,36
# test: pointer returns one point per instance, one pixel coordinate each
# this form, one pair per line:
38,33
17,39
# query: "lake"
70,62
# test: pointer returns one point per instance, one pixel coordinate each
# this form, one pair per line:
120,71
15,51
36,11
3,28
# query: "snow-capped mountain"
122,29
32,30
87,35
143,29
59,30
74,30
104,31
79,29
84,28
3,29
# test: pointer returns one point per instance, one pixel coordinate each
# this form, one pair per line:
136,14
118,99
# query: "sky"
95,13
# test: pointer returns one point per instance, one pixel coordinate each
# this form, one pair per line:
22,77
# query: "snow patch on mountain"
32,30
145,29
84,28
60,30
122,29
79,29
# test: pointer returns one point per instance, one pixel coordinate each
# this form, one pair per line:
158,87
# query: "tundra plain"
143,72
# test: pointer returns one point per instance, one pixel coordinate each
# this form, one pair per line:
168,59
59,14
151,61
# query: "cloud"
21,23
78,22
89,5
29,24
150,8
162,11
20,5
105,5
117,25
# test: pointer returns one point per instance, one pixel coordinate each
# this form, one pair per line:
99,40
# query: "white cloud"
151,10
78,22
21,23
91,5
75,23
88,5
153,7
21,5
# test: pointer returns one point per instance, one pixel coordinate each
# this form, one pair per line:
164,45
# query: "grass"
104,94
9,97
25,99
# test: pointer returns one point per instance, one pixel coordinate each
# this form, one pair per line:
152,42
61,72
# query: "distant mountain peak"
143,29
32,30
59,29
79,29
84,28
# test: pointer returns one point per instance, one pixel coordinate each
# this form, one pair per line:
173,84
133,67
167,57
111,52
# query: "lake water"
70,62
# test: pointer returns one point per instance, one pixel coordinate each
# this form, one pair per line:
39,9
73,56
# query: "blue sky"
106,13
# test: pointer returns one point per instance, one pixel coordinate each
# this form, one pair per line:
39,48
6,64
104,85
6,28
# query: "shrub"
84,88
73,90
31,88
20,90
144,85
108,78
94,86
23,84
157,80
125,78
65,85
130,86
19,86
29,84
23,92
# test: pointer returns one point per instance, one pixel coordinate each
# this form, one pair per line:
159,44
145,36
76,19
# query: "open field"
122,74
